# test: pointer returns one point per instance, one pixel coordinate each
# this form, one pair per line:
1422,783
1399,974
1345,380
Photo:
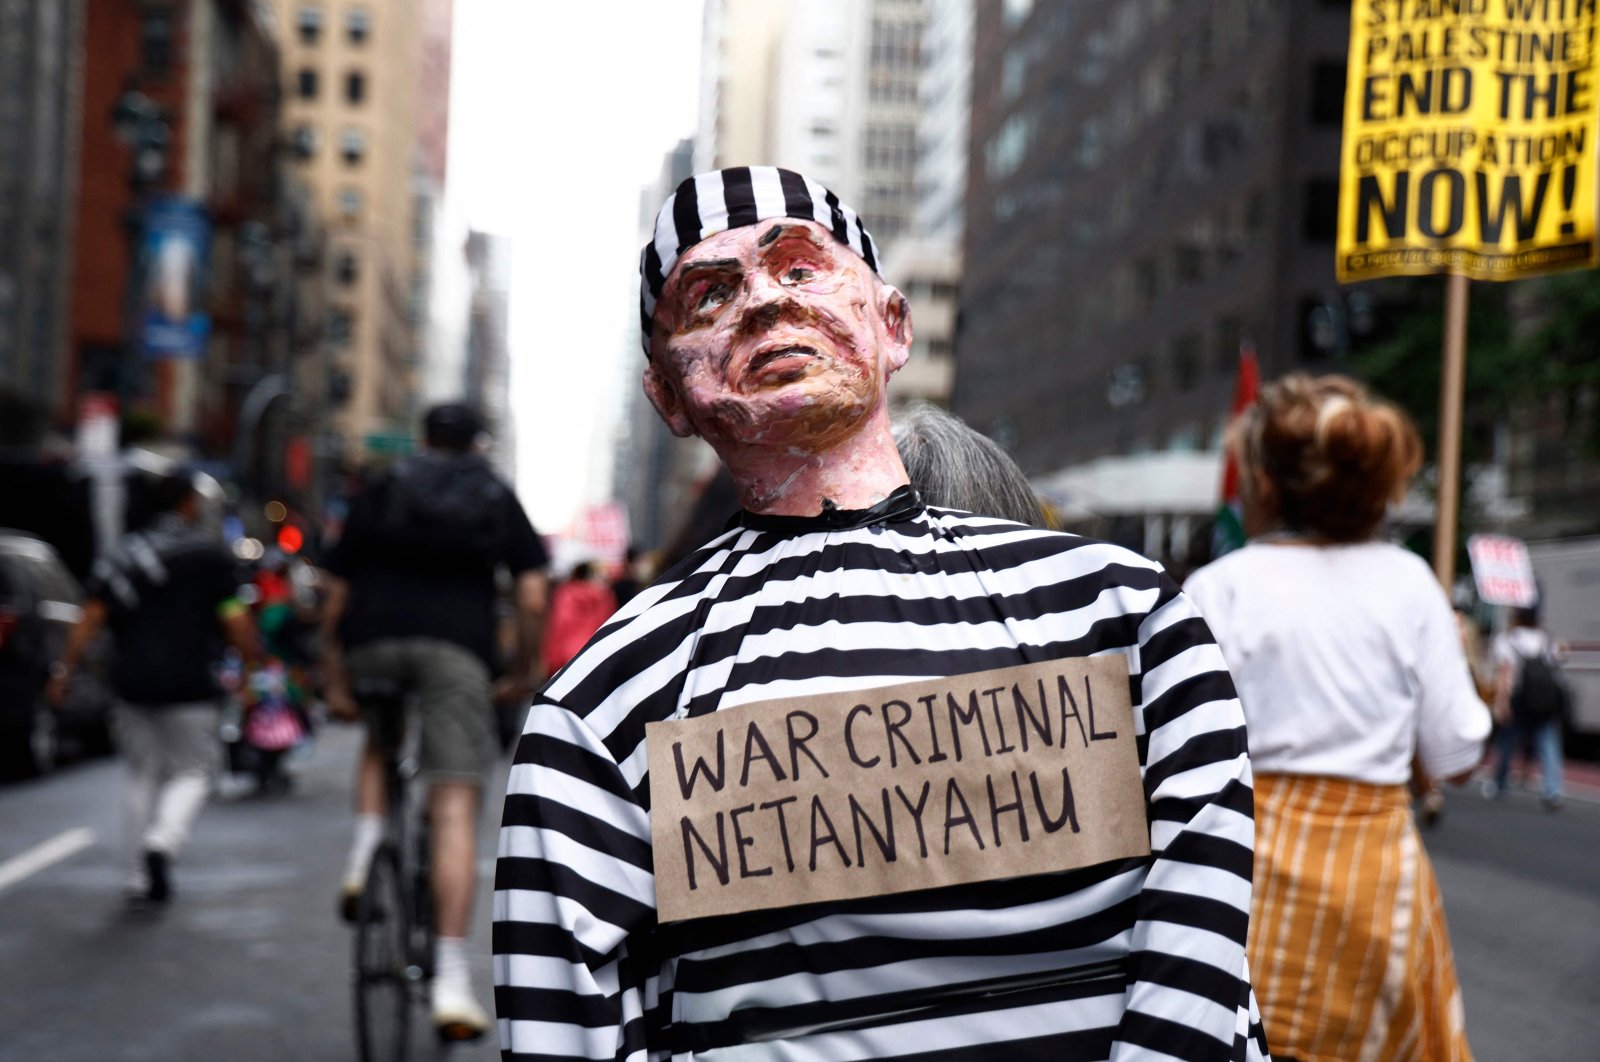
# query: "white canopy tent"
1171,483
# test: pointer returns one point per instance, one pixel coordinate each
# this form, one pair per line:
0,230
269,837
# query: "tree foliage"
1526,340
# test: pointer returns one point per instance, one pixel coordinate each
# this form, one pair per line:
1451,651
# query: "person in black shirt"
169,594
413,607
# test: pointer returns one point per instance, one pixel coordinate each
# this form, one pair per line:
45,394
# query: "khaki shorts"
451,688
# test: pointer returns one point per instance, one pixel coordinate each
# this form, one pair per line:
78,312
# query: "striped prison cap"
709,203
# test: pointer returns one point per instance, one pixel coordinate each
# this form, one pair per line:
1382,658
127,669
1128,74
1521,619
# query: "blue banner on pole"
176,256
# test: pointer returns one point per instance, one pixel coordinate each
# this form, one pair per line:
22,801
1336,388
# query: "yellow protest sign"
1469,139
998,774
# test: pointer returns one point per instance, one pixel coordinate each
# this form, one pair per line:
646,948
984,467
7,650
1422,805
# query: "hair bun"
1334,455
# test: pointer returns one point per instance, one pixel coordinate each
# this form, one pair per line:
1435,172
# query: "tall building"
177,212
433,83
738,46
944,96
924,261
654,474
350,68
831,88
40,48
487,378
1150,184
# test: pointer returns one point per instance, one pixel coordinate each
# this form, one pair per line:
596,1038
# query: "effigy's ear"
896,314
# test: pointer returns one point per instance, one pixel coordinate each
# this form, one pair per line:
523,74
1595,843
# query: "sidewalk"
1580,778
1583,780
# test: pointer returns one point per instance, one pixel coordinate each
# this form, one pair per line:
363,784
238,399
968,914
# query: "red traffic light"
290,538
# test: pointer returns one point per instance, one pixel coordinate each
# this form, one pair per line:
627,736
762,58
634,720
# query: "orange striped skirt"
1349,953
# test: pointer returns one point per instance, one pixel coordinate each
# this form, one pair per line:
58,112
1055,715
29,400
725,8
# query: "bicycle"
395,933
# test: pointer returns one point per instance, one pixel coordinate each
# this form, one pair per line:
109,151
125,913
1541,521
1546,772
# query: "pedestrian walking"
1349,664
411,606
1531,702
579,606
639,916
168,594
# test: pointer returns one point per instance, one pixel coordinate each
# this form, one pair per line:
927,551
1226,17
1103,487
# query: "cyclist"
412,606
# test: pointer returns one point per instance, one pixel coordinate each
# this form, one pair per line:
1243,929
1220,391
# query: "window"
350,203
346,269
358,27
1189,261
309,23
1186,360
1009,146
155,42
353,146
1320,220
1230,340
355,87
308,83
1013,72
1327,94
341,326
305,141
1013,12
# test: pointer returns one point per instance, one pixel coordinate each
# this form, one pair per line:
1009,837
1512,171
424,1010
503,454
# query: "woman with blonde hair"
1349,665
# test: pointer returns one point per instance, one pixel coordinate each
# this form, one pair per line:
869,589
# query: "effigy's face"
773,333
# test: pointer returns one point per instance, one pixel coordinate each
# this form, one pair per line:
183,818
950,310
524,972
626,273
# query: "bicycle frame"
395,932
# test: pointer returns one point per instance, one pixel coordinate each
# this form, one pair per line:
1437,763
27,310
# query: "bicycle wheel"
383,964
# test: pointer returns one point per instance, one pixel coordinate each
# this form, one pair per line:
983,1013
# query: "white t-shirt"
1347,660
1516,644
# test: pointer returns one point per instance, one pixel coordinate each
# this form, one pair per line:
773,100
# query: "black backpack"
441,509
1540,695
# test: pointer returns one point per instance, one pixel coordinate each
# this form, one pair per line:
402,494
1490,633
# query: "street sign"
1502,570
390,443
1469,140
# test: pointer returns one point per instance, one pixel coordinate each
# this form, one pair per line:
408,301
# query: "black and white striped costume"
1136,959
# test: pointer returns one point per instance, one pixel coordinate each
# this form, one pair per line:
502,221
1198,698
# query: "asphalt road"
251,965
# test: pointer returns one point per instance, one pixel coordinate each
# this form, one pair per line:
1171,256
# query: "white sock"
451,965
368,835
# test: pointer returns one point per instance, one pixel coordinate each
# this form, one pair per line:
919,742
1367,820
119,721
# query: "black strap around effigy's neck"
903,502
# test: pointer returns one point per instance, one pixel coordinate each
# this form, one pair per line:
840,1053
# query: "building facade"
350,117
832,88
180,104
487,382
654,474
1150,185
40,50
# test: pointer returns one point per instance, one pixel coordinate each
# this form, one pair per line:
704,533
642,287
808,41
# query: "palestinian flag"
1227,533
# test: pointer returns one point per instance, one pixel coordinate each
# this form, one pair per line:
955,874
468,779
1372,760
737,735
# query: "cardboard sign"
998,774
1469,139
1502,570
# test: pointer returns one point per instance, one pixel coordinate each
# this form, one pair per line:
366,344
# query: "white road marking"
48,853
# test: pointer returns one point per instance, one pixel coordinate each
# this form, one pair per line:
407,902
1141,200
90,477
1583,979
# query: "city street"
251,965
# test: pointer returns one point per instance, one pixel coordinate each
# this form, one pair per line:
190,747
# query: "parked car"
39,603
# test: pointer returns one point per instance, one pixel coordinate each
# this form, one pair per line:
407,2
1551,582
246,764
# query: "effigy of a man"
862,778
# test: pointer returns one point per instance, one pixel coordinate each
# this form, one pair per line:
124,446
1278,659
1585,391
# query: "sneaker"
157,869
457,1017
1552,803
350,901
